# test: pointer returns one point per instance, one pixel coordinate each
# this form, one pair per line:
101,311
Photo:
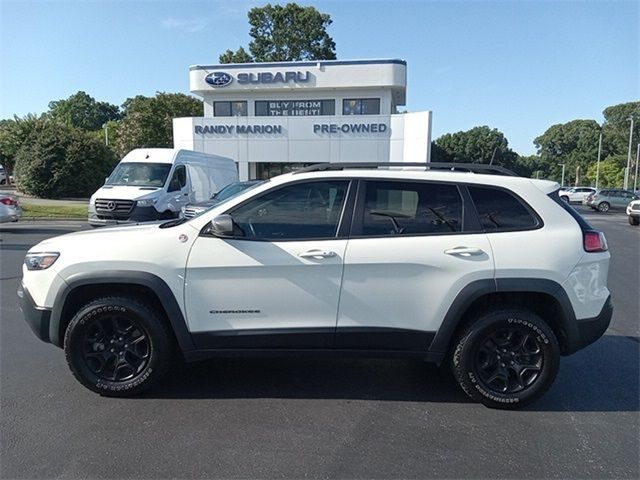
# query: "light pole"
626,173
106,134
598,163
562,182
635,178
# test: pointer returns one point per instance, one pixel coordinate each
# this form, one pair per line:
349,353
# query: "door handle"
317,254
464,251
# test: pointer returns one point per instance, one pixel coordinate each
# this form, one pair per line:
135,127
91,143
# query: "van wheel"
117,346
634,220
506,359
604,207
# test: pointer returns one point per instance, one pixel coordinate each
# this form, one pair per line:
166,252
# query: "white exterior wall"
391,137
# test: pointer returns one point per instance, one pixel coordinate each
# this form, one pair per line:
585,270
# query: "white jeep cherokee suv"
492,273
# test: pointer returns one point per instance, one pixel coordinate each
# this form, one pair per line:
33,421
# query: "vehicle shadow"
602,377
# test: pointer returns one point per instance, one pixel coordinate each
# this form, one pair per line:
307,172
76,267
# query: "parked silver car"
10,210
610,198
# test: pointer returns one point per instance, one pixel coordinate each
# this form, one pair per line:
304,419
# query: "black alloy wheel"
509,360
116,348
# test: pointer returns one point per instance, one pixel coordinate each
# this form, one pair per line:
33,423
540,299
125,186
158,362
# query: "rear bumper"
591,329
38,318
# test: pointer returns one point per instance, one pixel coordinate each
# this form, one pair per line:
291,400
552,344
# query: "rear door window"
411,208
501,211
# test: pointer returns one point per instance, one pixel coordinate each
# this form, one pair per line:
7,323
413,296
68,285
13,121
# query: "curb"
53,219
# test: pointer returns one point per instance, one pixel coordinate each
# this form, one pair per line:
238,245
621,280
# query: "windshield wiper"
173,223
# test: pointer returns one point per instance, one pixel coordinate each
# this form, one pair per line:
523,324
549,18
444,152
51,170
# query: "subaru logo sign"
218,79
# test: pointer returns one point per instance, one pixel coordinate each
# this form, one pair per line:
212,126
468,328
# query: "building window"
264,171
361,106
230,109
295,108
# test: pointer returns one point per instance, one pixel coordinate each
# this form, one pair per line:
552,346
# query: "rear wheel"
117,346
634,220
506,359
604,207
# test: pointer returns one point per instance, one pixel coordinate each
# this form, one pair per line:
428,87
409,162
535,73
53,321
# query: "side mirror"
222,226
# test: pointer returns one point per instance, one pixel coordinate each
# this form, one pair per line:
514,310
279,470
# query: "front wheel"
565,198
634,220
117,346
506,359
604,207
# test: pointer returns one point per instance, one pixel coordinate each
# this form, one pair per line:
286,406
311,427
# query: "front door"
276,284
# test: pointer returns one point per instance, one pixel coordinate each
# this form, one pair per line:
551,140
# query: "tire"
141,346
525,340
634,220
565,198
604,207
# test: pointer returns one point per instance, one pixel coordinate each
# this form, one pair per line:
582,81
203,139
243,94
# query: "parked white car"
10,210
492,273
633,212
155,183
576,194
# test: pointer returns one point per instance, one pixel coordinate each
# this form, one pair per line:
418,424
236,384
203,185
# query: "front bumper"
38,318
591,329
139,214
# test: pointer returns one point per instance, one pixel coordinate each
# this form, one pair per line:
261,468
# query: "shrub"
62,161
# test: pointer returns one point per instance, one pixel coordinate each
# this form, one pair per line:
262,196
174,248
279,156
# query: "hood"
123,192
102,235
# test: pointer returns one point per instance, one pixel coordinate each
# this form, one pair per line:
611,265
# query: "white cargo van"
154,183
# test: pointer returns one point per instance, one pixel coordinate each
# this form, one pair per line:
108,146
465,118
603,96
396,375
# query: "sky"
518,66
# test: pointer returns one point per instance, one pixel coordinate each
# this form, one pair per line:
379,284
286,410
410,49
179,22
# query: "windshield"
233,189
139,174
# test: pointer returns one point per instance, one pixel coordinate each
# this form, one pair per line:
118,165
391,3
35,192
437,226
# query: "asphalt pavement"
285,418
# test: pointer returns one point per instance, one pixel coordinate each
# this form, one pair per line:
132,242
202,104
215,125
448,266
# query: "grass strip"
54,211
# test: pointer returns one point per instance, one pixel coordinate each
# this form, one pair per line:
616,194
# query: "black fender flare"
479,288
153,282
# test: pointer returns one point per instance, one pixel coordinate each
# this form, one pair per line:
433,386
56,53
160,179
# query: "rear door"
413,247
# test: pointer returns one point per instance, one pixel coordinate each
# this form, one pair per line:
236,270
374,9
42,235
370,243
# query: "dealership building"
275,117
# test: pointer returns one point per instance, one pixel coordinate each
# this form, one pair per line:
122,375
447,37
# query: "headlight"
147,202
40,261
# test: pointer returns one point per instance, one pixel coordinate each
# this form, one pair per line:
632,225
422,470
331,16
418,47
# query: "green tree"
285,33
239,56
62,161
148,121
478,145
13,133
83,111
611,172
574,144
617,125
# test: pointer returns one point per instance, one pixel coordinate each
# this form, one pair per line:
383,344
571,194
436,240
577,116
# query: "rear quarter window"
500,211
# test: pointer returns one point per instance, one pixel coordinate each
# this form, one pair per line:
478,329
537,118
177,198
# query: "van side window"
411,208
501,211
179,178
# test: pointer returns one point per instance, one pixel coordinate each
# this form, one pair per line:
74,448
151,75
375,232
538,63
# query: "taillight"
8,201
595,241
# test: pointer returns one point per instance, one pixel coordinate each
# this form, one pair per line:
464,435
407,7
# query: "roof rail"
465,167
